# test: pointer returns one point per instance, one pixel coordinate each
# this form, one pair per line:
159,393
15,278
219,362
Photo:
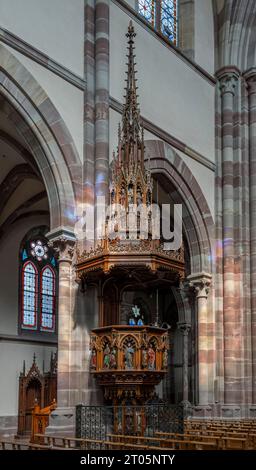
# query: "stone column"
250,77
102,98
89,102
186,30
233,375
185,329
63,416
200,283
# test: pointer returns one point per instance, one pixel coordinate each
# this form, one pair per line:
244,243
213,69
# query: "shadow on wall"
85,318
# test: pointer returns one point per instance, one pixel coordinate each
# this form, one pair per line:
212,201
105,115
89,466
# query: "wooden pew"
234,443
90,444
9,444
170,443
216,440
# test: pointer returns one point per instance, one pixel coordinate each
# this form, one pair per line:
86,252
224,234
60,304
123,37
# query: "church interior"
128,224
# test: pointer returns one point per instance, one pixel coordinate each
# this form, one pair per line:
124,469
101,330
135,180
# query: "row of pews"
16,444
226,434
198,435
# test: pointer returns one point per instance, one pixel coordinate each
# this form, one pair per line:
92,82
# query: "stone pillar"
102,98
63,416
250,77
200,284
185,329
186,29
96,107
89,102
233,375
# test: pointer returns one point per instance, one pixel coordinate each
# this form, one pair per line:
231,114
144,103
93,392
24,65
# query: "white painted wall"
12,355
132,3
9,274
66,98
172,95
55,27
205,178
204,35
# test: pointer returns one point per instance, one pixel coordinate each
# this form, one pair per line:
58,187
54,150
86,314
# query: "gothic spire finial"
131,129
130,183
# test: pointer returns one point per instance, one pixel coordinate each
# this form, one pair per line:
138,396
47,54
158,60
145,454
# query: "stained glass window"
169,19
47,298
38,284
147,9
39,250
162,15
29,295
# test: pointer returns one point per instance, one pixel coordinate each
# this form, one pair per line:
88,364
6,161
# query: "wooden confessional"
35,388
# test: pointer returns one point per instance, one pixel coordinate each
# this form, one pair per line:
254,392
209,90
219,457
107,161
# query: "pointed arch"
235,26
35,117
198,223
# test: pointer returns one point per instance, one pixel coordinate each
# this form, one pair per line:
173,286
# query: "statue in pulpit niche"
112,196
130,195
93,359
113,363
106,357
122,196
144,359
139,197
151,358
165,359
135,317
129,356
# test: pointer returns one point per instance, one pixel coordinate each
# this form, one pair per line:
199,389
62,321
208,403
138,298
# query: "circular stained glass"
39,250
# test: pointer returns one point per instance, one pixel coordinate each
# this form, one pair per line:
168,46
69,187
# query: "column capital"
228,77
250,77
184,328
64,247
200,283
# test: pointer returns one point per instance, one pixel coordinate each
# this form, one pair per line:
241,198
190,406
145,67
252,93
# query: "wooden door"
33,396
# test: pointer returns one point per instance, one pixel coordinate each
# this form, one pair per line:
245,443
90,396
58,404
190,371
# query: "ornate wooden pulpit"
128,361
129,352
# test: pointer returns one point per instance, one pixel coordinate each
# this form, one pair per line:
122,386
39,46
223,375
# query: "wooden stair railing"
40,419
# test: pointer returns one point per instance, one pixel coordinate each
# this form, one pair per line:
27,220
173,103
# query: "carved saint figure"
139,197
165,359
129,353
112,196
144,359
93,359
133,318
151,358
122,196
106,357
136,311
113,359
130,195
148,201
